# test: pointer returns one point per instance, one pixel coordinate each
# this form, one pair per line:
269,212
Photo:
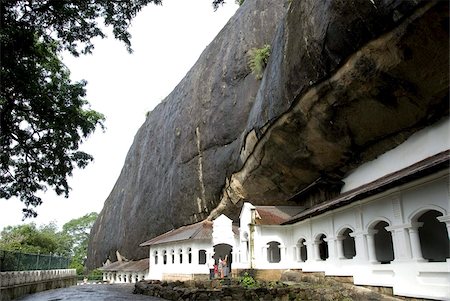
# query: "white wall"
398,207
421,145
185,269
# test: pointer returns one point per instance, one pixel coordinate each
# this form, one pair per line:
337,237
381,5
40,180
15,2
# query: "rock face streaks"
345,82
176,168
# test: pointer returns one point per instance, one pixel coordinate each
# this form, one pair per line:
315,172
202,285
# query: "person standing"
220,267
211,263
225,266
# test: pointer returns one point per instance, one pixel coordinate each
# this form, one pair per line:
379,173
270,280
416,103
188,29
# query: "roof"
127,266
198,231
276,215
420,169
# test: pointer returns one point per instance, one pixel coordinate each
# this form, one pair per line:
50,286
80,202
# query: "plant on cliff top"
258,58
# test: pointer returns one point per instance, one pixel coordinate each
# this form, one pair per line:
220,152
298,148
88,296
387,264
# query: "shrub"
248,281
258,60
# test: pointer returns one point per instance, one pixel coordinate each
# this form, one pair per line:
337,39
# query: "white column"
264,253
316,251
401,242
371,245
331,244
445,219
360,246
309,251
195,256
416,249
283,253
296,250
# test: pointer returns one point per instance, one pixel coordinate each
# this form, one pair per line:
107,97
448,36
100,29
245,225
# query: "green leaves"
46,239
31,239
44,118
258,58
77,232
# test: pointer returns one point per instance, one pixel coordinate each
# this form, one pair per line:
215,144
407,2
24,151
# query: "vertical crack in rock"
201,202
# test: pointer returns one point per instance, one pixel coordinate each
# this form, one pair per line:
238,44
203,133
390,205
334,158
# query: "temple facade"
389,226
125,271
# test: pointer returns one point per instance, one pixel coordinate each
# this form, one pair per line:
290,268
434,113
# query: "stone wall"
16,284
311,288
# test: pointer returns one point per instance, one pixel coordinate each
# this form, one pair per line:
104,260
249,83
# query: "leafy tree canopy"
71,241
77,232
44,116
31,239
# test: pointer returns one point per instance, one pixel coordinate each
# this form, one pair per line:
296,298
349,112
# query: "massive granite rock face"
345,82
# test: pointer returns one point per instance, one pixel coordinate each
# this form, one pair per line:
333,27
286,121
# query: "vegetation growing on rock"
258,58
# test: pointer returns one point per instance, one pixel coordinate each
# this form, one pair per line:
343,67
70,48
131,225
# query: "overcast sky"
167,40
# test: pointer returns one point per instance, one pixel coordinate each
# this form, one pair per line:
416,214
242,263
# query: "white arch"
343,228
301,238
414,216
274,240
376,220
318,235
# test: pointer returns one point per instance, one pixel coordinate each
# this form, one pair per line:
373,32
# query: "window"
273,252
384,249
180,253
201,257
433,237
323,247
155,255
303,252
165,257
189,255
348,244
172,253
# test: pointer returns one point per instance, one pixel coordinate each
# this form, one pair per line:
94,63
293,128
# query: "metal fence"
16,261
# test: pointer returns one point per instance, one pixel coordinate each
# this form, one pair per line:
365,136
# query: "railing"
16,261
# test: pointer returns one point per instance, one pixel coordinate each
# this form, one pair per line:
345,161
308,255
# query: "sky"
167,40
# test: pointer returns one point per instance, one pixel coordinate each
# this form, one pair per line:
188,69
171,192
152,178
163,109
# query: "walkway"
91,292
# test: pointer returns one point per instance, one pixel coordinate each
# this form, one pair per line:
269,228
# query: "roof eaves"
407,174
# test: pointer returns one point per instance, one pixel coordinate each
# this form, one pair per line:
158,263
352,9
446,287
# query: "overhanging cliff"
345,82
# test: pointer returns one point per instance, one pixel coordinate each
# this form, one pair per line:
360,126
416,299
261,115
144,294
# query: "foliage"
248,281
44,116
31,239
258,58
46,239
239,2
76,232
216,3
95,275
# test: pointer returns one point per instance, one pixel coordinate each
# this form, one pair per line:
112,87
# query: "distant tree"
71,241
31,239
77,232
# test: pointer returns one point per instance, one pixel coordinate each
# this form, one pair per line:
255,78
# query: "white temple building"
125,271
388,227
